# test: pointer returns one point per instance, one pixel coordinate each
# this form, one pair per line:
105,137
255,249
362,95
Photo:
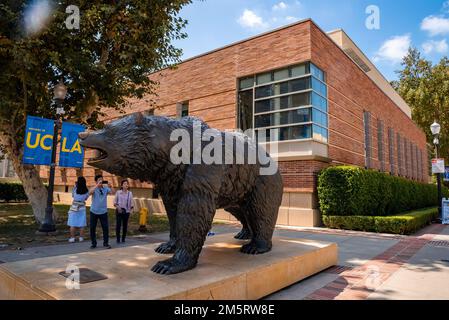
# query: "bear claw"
171,266
166,248
244,234
255,248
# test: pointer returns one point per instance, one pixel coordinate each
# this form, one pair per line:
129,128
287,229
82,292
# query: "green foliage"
425,88
407,223
104,63
11,191
354,191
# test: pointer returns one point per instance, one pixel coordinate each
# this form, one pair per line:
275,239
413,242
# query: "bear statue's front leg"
193,222
170,246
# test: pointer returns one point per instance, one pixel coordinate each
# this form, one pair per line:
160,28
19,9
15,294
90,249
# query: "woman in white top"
124,205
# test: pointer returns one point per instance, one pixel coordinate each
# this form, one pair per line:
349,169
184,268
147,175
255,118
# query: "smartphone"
105,182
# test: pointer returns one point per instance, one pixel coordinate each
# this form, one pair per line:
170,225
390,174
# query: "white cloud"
435,25
249,19
291,19
394,49
280,6
435,46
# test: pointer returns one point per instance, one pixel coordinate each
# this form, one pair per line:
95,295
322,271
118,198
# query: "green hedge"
400,224
354,191
12,191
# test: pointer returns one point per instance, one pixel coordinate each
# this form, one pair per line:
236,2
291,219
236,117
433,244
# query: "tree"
104,63
425,87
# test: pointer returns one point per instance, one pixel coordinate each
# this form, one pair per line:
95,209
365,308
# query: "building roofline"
247,39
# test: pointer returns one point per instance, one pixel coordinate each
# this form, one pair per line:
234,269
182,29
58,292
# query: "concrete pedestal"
222,272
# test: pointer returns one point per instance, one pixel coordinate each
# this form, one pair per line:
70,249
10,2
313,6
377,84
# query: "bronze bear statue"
140,147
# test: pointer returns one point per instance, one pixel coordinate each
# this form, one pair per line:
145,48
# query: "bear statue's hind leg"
245,233
262,212
170,246
193,221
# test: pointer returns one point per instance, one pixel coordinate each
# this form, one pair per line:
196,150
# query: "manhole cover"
86,275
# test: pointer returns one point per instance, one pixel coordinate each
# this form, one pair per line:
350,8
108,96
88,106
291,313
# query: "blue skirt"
77,219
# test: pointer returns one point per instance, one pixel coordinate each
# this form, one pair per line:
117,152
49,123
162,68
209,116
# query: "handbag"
76,206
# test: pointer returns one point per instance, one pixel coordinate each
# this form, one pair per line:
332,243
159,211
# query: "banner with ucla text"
38,141
71,154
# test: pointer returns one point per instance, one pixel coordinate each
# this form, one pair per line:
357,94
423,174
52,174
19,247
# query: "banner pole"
48,225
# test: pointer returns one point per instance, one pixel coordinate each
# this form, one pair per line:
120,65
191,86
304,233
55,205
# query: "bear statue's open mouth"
100,156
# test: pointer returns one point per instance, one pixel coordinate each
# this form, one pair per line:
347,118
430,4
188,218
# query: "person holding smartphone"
99,210
123,203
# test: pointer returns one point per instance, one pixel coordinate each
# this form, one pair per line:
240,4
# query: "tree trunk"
29,176
33,186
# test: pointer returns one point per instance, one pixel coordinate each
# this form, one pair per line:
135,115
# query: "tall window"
406,158
367,130
287,104
398,146
391,149
380,144
182,109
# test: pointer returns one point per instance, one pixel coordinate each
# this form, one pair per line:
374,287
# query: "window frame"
308,69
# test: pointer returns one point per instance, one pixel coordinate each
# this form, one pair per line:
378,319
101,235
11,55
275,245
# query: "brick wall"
350,93
209,83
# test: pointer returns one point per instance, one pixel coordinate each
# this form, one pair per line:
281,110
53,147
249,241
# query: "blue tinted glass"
300,132
316,72
319,102
319,117
319,87
264,91
263,105
319,133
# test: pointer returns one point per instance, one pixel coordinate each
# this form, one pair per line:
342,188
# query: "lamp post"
60,92
435,128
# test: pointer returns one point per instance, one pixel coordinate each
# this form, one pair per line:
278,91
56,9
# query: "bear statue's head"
125,147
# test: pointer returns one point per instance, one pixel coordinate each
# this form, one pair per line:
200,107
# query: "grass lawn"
18,227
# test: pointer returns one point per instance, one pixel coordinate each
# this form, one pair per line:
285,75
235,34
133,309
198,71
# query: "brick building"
319,95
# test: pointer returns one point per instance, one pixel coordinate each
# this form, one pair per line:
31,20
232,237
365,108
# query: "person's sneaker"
80,239
123,240
72,240
107,246
93,246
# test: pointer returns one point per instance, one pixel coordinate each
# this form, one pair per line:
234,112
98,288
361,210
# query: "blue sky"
420,23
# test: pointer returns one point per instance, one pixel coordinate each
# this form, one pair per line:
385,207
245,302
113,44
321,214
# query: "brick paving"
359,282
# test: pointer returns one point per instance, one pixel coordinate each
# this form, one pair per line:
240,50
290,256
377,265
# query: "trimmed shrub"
354,191
12,191
400,224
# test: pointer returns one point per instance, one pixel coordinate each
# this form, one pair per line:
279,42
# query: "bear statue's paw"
256,247
172,266
167,247
244,234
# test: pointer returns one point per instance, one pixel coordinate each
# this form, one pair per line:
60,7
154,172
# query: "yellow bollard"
143,214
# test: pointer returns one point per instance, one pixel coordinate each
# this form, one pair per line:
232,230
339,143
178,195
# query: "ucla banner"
38,141
71,153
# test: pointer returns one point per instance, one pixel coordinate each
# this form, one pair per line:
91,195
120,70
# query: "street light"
60,91
435,128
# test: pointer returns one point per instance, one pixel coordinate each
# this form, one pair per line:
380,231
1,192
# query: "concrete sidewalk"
371,266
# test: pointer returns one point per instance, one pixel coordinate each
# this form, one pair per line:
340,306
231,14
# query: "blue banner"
446,174
71,153
38,141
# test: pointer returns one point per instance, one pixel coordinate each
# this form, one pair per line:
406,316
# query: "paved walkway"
371,266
